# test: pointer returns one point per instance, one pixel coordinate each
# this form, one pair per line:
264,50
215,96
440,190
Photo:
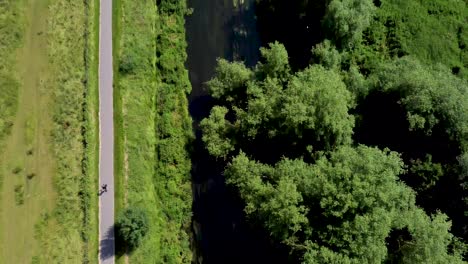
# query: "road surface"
106,135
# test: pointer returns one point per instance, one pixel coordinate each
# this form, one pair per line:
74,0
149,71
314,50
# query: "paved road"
106,123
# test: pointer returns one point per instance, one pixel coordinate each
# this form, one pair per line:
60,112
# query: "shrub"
19,194
127,64
131,226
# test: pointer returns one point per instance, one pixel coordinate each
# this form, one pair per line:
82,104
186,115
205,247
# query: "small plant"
17,169
31,175
35,260
30,151
19,194
127,64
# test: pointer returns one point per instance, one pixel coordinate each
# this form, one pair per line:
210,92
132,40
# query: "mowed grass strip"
91,162
152,85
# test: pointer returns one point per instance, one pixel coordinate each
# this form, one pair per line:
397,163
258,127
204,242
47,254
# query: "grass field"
153,127
28,164
49,162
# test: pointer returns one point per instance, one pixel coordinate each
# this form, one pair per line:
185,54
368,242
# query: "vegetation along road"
106,155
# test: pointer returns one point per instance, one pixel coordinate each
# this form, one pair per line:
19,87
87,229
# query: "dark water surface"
227,29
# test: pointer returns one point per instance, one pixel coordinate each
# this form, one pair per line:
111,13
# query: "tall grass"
69,233
136,87
153,84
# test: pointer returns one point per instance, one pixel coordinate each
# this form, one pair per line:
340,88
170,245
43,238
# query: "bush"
19,194
127,64
131,226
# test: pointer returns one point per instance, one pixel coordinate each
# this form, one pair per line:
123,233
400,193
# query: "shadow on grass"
121,248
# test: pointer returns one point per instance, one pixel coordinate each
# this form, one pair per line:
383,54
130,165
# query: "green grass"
431,31
92,133
118,120
152,118
135,96
26,161
68,232
119,153
11,32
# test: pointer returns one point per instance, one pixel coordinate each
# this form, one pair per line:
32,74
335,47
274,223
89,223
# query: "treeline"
155,127
69,232
354,148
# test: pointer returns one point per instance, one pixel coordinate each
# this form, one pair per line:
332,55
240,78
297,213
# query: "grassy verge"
153,162
118,119
91,165
136,89
119,152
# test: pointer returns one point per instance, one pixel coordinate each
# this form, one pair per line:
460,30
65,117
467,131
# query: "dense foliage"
173,132
296,111
288,138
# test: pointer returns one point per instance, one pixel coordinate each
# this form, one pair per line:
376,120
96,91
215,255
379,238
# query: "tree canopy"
271,102
342,208
287,138
360,155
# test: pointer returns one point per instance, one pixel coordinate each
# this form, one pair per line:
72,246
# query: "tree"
432,96
217,130
317,102
286,138
229,81
342,209
421,111
347,19
326,55
269,103
131,226
276,62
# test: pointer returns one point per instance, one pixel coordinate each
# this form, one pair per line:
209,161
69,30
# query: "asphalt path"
106,135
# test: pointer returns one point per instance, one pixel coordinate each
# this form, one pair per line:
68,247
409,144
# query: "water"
227,29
